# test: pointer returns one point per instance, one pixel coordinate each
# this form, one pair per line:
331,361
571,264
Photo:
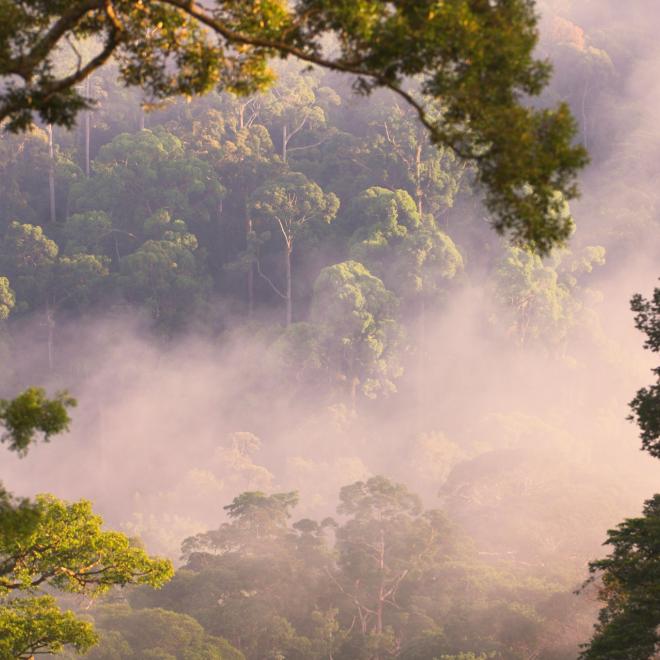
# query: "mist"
524,443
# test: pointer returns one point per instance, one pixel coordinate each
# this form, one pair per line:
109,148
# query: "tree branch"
272,284
24,65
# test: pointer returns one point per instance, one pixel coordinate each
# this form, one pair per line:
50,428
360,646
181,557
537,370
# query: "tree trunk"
241,116
419,193
285,139
250,272
141,119
51,173
289,302
88,125
423,362
381,589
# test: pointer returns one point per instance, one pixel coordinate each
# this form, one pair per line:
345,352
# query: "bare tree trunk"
423,362
285,140
381,589
250,273
142,120
51,173
419,193
88,125
289,302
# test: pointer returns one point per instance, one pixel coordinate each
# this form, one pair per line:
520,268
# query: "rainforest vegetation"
302,298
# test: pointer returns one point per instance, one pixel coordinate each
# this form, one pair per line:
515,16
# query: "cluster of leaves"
646,405
49,545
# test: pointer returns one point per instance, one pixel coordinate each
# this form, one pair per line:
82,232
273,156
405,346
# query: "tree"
65,549
295,105
155,633
472,60
387,541
37,176
45,280
297,207
136,176
87,232
48,544
31,412
36,625
358,335
542,297
646,405
255,579
628,625
166,275
406,250
432,175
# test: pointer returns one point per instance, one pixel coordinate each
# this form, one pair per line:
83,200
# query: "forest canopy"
329,414
465,66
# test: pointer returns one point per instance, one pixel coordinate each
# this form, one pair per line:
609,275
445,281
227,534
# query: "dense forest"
356,421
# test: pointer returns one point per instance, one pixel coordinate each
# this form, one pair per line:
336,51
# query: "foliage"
30,413
45,279
628,625
407,251
48,544
389,579
646,404
298,208
165,275
155,633
629,577
543,296
69,551
7,299
473,61
37,625
358,332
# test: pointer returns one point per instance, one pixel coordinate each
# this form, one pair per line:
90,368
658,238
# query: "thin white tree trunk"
289,302
250,273
88,126
51,173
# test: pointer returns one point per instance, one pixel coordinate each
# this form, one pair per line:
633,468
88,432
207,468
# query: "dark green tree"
628,626
646,405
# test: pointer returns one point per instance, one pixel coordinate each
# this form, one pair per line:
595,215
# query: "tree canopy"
471,61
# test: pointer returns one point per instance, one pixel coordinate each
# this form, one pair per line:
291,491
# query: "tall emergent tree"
471,60
628,626
297,206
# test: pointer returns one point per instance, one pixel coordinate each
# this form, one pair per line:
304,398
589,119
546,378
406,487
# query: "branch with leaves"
448,62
